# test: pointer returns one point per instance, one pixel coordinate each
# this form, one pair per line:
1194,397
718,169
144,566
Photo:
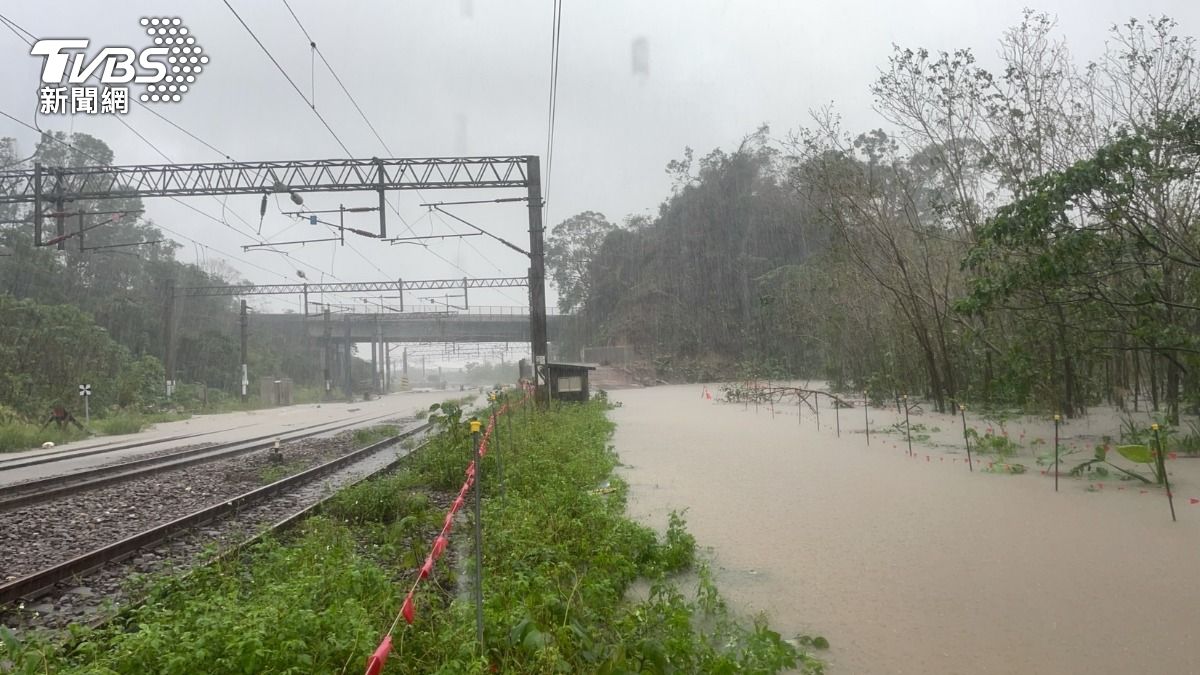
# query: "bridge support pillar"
348,362
327,356
377,357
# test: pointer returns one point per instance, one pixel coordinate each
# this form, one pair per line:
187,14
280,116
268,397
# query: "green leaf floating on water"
1138,454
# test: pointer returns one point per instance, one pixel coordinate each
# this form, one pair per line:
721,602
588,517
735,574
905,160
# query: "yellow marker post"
478,590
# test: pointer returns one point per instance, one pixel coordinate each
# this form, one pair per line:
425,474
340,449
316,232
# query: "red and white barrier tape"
378,658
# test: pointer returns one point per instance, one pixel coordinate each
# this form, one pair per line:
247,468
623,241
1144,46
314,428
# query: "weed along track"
64,560
392,556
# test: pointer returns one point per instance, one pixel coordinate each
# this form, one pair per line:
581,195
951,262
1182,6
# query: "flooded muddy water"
916,565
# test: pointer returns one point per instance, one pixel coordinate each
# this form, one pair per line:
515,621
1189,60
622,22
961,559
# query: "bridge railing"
480,312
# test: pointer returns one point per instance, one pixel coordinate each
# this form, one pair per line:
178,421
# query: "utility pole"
337,365
387,367
245,370
374,364
59,206
327,354
348,362
168,335
382,178
377,355
37,204
537,281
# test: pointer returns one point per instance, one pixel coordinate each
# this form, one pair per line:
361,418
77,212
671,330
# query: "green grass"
560,558
131,423
276,472
368,435
16,436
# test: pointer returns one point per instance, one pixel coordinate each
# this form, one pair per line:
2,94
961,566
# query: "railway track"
38,584
69,453
52,487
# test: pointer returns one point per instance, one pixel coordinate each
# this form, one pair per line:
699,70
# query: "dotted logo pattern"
185,61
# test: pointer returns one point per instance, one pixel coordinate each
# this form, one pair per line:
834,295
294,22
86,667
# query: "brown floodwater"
916,565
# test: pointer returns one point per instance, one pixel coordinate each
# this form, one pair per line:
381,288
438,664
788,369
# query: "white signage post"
85,390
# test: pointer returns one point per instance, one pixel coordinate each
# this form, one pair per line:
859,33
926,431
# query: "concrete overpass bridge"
481,324
336,333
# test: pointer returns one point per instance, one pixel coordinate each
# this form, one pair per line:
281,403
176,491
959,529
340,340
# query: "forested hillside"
1025,234
95,314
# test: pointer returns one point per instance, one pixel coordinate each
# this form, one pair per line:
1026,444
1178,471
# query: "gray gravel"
40,535
102,591
16,486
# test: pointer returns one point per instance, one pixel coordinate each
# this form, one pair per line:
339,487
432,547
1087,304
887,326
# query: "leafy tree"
1018,236
122,293
1097,234
571,247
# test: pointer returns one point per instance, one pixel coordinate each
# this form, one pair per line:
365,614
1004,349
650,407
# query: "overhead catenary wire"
28,38
552,111
316,49
287,77
312,104
256,237
162,154
485,258
221,220
51,137
194,137
15,27
482,231
408,227
346,90
354,102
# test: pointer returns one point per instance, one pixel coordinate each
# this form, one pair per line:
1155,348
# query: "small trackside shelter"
569,381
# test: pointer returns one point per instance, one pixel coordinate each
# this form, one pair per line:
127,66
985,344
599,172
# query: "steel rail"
68,452
35,585
44,489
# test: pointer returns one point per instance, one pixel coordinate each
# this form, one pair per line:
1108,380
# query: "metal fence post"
962,409
907,426
1162,469
1057,418
867,415
478,534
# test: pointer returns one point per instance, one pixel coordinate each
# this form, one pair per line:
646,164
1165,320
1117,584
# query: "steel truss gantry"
237,178
59,185
352,287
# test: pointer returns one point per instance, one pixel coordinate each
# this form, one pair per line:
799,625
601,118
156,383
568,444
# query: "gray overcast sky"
471,77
